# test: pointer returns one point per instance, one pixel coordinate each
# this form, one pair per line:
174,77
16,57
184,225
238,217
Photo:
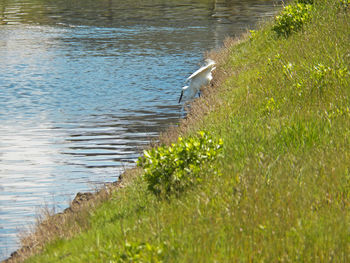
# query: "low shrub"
170,169
141,252
292,19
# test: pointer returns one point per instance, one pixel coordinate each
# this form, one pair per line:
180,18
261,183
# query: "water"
85,84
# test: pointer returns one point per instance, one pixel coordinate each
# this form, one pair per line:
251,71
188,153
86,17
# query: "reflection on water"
85,84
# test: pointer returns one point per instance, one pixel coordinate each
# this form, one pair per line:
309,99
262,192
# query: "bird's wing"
201,70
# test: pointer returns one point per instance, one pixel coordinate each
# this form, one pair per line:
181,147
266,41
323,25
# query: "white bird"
198,79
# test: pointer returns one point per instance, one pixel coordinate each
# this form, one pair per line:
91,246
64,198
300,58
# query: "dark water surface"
85,84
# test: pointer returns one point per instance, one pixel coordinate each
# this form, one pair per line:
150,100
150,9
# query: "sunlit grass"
283,112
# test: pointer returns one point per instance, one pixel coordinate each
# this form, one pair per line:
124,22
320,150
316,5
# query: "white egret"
198,79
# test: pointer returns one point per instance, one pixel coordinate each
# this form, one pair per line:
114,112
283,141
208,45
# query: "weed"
270,107
140,252
292,19
170,169
306,2
344,4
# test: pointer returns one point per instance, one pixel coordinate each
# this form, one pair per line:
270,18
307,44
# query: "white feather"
198,79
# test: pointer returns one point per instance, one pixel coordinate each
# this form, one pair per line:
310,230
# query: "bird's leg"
182,93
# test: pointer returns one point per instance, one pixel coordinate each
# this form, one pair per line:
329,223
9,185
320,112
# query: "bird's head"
182,92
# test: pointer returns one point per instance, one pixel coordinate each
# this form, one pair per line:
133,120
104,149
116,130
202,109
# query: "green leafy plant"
270,106
253,34
292,19
307,2
141,252
170,169
320,75
345,4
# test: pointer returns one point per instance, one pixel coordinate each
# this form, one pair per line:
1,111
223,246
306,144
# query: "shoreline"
82,201
281,107
187,124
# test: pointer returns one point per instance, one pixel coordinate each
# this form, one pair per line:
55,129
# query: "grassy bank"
281,104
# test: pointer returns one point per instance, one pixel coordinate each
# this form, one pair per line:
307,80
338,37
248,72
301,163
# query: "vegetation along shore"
258,171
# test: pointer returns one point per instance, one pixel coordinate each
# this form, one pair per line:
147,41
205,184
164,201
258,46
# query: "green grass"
283,112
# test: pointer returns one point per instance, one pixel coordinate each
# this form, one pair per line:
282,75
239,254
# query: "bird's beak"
182,93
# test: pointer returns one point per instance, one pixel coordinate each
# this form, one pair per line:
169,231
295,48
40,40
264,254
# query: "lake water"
85,84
